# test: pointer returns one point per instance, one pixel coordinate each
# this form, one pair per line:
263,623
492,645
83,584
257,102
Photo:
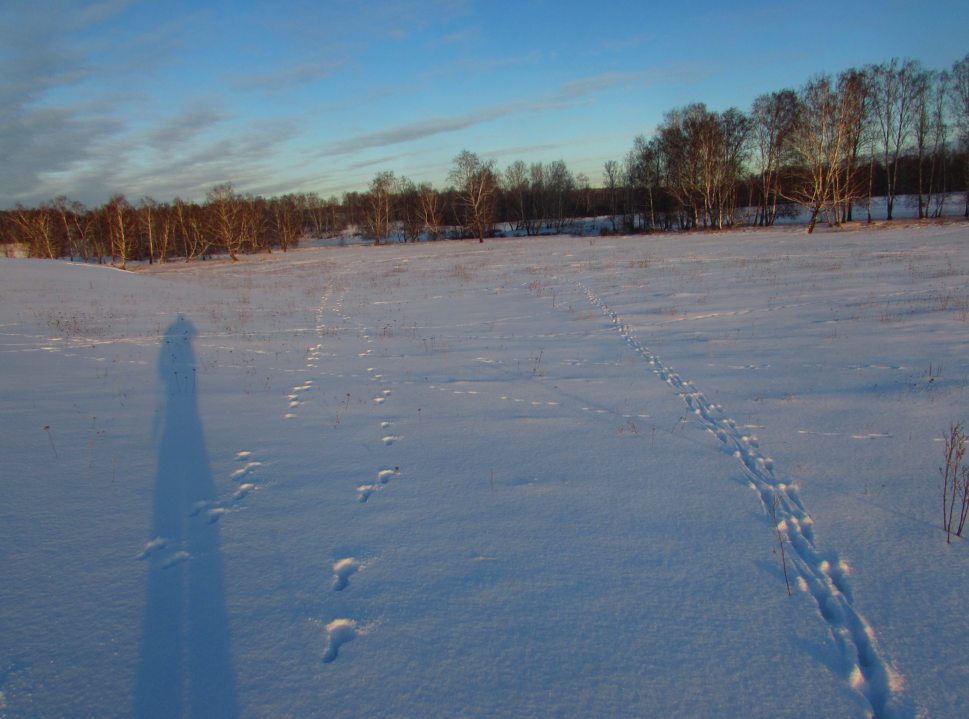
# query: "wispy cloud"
68,88
615,45
483,65
517,152
185,127
286,79
674,72
380,161
417,131
568,94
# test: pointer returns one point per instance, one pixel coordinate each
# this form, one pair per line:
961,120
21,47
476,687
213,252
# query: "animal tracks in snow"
245,471
152,546
383,477
338,632
211,510
824,577
342,571
214,509
158,544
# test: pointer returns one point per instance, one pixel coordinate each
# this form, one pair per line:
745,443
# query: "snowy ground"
524,478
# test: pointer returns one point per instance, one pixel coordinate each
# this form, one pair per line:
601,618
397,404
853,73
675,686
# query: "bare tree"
515,183
774,116
254,225
894,87
147,219
409,219
78,223
612,174
856,89
644,172
122,229
190,224
225,218
380,206
824,133
940,141
560,186
286,220
476,185
704,153
36,229
431,211
959,97
318,213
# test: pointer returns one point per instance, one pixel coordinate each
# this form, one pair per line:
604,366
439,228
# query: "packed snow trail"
823,575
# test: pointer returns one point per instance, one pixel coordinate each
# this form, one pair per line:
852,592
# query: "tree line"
829,146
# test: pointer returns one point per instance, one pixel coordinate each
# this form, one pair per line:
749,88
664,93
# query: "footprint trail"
825,577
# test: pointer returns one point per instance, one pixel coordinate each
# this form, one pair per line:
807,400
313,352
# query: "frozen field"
523,478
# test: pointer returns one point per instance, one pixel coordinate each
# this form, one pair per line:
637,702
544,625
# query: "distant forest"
828,147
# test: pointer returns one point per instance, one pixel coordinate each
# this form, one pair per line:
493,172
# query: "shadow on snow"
184,663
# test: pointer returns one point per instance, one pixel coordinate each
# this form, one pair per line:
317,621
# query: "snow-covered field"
524,478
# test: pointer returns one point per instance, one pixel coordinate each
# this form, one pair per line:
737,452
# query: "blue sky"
169,99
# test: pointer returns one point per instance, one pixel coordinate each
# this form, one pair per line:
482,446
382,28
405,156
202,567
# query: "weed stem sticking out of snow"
772,511
47,428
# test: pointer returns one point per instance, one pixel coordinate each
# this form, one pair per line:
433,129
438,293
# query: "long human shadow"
184,663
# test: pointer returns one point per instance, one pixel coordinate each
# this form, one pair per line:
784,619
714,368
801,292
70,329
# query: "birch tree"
825,130
894,87
959,98
225,218
380,206
476,185
773,116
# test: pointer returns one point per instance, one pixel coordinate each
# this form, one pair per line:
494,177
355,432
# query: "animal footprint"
240,473
214,515
339,632
199,506
342,571
157,543
366,491
241,492
176,558
390,440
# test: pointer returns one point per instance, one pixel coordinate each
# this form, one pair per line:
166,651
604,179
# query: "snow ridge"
823,575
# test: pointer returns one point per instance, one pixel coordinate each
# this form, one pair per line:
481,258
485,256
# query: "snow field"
337,543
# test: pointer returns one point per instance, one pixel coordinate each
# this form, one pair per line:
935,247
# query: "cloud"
613,45
674,72
380,161
568,94
354,26
127,164
417,131
466,67
64,88
287,79
527,149
185,127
